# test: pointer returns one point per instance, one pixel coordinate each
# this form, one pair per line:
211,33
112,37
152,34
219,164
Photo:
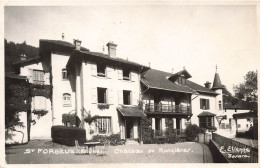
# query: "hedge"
67,135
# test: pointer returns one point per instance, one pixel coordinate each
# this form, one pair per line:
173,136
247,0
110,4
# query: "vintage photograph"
133,82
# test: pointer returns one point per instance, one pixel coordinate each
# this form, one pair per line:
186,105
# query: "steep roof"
159,80
61,43
183,72
199,88
27,61
105,57
217,82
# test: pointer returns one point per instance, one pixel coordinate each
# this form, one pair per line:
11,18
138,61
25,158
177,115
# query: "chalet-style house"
90,83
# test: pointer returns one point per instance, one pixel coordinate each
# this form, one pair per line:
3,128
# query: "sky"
168,37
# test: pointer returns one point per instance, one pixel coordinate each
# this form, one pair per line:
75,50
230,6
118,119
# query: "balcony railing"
164,133
166,108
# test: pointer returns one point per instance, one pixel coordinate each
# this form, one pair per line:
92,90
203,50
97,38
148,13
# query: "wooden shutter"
94,95
120,74
133,76
110,97
108,72
120,97
30,75
94,69
135,98
47,78
201,104
207,104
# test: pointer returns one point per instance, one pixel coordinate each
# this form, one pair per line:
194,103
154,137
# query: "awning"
244,115
130,111
206,114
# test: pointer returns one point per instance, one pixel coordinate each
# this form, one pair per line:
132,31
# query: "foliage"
147,132
70,118
87,116
16,100
192,132
40,90
103,106
140,104
13,52
171,136
40,113
67,135
247,90
114,139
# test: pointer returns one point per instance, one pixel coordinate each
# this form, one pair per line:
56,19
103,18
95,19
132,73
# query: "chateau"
118,91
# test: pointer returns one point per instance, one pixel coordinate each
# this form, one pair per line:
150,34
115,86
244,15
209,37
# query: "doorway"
129,128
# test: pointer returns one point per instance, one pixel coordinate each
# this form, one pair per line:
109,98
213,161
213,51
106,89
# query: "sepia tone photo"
131,82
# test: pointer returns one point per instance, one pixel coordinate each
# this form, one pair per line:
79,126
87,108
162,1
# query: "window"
127,97
246,125
126,74
104,125
204,104
205,122
182,80
66,99
38,77
219,105
101,70
64,74
238,125
102,95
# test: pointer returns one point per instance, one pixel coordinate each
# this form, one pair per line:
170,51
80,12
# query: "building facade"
112,89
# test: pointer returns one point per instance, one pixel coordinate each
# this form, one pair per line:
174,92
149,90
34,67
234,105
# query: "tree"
247,90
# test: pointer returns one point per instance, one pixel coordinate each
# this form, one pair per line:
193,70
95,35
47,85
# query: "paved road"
43,151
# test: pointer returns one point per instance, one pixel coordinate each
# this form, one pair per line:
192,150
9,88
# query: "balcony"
166,108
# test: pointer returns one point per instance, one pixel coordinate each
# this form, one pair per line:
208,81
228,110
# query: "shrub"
67,135
114,139
192,131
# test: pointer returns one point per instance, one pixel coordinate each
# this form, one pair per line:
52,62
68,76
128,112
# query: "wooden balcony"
165,108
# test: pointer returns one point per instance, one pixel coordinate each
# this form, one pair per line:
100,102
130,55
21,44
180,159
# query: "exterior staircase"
131,142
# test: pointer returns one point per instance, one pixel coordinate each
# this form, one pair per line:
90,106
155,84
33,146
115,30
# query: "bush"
67,135
192,131
114,139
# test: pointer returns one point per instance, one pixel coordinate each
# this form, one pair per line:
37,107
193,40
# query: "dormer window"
101,70
126,74
182,80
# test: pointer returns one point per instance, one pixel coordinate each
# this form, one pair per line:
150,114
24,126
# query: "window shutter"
134,98
94,95
120,74
207,104
201,104
46,78
30,75
120,97
94,69
108,72
133,76
110,96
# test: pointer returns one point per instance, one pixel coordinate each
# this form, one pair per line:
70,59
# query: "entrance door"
129,129
178,125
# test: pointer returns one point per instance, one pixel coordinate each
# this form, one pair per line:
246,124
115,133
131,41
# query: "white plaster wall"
41,129
60,86
13,137
113,84
196,107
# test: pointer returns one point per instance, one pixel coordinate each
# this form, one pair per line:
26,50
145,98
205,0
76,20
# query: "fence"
235,150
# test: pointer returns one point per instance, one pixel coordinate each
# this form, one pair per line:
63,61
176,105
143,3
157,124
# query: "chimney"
23,57
77,44
111,49
207,85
